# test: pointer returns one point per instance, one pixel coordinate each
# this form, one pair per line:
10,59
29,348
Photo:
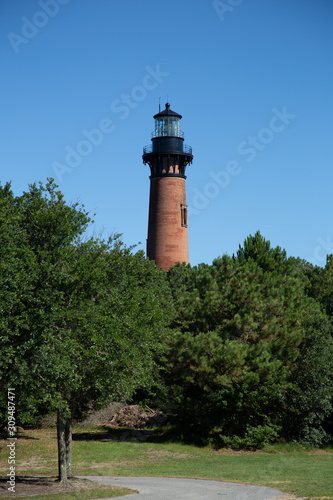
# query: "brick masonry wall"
167,241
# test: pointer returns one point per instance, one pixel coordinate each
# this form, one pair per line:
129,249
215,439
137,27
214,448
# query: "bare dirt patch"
288,497
230,451
43,485
320,452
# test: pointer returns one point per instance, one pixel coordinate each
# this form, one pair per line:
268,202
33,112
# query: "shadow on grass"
116,434
18,435
158,435
29,479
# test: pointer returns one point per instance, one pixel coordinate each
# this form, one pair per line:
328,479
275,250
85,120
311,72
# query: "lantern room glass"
167,126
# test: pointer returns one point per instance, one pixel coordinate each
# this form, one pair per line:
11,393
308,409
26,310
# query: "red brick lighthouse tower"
167,158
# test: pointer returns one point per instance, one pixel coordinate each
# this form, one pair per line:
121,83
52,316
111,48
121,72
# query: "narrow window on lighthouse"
183,211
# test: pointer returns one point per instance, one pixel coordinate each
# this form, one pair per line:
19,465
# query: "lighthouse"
167,157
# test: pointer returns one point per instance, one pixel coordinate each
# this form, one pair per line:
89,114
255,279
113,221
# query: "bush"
254,438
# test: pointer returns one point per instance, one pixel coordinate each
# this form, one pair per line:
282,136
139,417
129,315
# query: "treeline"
241,349
250,360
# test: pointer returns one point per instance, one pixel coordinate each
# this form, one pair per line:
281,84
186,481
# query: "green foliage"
250,349
321,285
248,359
81,321
254,438
309,401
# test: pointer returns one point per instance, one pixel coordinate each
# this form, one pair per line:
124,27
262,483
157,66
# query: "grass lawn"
291,469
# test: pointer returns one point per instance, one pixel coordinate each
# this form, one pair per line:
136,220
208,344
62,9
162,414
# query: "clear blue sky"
253,80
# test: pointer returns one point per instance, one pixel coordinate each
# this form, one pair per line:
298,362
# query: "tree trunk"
68,442
62,462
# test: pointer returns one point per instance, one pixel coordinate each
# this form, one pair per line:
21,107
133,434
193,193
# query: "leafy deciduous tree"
81,321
